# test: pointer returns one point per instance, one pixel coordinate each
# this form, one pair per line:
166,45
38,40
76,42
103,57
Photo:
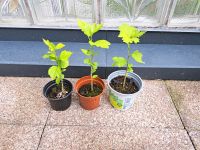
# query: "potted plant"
90,88
124,85
59,90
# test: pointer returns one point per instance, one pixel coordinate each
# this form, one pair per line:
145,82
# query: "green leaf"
65,55
100,43
45,56
62,76
119,61
89,29
136,40
137,56
85,27
94,76
94,66
46,42
87,61
95,27
54,72
64,64
130,68
51,46
52,57
60,46
87,52
57,80
130,34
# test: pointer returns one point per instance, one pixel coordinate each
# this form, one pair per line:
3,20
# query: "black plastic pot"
62,103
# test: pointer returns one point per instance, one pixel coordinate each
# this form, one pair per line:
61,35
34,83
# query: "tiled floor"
165,116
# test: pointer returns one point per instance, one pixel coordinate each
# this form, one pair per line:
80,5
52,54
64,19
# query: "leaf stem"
129,48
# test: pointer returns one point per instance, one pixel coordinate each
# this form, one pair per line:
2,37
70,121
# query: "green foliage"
89,30
94,76
87,52
55,73
62,61
129,35
100,43
119,61
137,56
130,68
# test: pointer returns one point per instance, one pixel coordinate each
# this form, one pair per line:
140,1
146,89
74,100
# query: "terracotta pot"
89,103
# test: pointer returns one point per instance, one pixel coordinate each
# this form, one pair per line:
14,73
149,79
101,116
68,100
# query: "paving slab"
186,95
22,101
195,136
153,108
86,138
14,137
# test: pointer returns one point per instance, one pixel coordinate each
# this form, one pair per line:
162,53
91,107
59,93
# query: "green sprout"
62,62
129,35
89,30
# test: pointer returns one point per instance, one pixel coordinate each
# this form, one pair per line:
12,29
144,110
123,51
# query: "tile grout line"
179,115
43,129
73,125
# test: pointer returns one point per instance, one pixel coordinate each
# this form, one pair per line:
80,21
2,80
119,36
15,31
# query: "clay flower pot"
89,103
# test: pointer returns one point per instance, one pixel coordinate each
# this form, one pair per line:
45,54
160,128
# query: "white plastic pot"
123,101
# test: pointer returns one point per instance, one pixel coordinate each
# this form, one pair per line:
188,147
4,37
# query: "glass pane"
186,13
13,12
61,12
139,12
82,9
51,11
114,9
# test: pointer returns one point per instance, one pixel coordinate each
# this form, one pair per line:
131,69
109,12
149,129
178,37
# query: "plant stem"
62,87
129,48
91,74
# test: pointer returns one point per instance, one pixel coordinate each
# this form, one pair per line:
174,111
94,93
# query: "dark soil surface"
130,86
56,92
86,91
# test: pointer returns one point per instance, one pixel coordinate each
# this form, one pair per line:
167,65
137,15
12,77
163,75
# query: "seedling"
129,35
89,30
62,62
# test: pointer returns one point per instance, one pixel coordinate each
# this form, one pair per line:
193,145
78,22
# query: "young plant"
89,30
129,35
62,62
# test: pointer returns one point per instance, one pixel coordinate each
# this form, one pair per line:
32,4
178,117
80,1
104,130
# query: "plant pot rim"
51,83
120,71
103,87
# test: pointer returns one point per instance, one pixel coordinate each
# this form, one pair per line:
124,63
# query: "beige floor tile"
186,95
104,138
195,135
14,137
22,101
153,108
